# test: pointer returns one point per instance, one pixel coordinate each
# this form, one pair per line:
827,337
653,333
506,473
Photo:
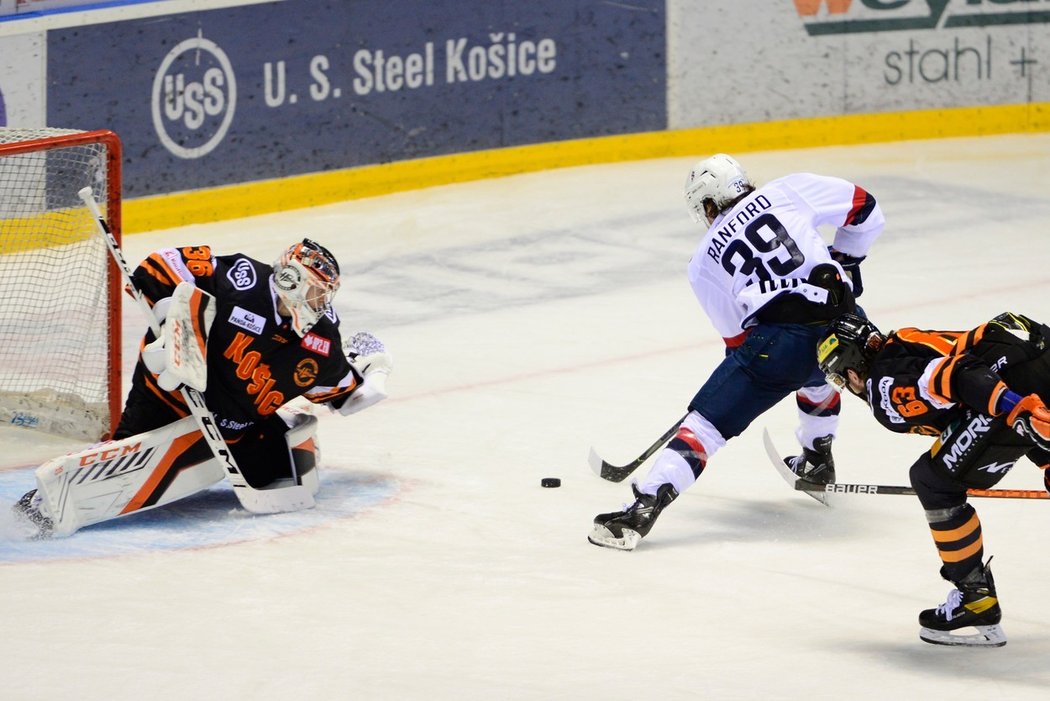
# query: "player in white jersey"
770,284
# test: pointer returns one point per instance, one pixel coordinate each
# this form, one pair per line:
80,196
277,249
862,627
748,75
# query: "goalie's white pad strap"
117,478
190,316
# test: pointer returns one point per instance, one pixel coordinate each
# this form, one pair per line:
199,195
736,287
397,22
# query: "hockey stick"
259,501
821,492
784,471
618,473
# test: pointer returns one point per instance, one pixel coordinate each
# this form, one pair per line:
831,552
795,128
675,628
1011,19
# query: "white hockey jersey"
769,242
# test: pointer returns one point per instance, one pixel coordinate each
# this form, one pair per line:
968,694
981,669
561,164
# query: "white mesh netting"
54,317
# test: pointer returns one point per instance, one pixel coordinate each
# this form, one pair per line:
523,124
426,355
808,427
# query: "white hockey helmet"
718,179
306,278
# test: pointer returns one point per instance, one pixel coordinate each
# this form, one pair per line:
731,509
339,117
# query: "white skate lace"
954,599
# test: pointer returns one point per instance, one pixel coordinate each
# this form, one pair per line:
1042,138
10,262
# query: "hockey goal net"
59,291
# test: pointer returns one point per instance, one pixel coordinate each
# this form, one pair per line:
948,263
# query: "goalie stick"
822,492
618,473
259,501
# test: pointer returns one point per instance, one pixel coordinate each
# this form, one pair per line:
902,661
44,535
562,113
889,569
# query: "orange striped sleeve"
158,268
941,341
941,379
970,339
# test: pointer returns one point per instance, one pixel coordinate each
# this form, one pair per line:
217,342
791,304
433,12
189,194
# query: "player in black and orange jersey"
982,393
273,337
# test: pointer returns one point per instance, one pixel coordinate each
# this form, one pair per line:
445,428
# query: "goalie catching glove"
369,359
178,356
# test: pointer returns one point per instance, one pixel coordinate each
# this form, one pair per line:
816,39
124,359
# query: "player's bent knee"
304,450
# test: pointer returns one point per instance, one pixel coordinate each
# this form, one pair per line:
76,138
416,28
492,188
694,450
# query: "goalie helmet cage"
60,317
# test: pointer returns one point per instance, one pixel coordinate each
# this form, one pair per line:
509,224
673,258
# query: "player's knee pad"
696,440
822,401
304,451
934,489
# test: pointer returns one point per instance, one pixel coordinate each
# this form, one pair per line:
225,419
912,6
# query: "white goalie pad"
118,478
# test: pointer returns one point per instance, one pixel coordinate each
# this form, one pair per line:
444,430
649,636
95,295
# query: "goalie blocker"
141,472
178,356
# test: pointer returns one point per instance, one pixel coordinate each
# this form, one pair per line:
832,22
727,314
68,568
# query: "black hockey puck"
550,482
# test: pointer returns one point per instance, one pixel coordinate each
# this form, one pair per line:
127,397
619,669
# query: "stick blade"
595,461
606,471
785,472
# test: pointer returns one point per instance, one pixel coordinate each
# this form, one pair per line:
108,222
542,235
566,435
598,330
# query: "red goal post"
60,318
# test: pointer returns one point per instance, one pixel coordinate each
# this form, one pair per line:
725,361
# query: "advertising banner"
739,61
247,93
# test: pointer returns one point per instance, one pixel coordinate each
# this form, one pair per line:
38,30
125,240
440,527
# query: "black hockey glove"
851,264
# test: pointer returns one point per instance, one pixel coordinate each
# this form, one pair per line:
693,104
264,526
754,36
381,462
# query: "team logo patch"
242,275
249,321
288,279
305,372
315,343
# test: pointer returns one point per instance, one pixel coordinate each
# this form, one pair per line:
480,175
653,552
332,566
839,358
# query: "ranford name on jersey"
729,226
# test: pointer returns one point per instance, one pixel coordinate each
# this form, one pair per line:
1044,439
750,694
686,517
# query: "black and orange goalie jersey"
256,363
921,379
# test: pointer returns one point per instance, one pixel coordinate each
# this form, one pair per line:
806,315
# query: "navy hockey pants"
774,361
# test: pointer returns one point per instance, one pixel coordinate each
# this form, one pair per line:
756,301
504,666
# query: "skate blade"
603,537
986,636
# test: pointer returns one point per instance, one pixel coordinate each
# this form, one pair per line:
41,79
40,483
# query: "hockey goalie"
251,338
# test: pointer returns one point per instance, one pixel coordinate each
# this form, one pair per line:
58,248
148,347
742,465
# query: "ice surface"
531,317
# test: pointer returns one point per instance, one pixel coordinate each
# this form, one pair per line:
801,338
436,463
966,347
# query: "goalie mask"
306,278
719,180
850,343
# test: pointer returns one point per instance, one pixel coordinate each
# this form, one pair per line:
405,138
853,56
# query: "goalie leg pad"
304,451
121,477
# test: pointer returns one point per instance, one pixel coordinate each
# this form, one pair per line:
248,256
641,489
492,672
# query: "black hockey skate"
29,510
623,529
972,604
815,465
